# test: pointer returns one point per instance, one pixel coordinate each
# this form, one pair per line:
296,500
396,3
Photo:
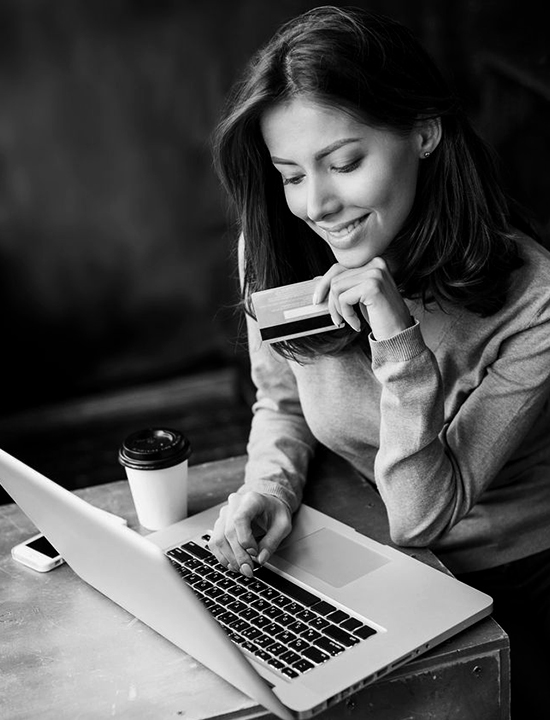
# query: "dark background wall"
114,237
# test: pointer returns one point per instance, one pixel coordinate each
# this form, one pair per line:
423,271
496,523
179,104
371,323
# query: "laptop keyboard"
277,621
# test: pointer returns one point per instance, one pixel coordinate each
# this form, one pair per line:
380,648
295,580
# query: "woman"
350,160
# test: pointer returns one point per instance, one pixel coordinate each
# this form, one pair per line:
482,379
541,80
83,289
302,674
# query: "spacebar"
286,586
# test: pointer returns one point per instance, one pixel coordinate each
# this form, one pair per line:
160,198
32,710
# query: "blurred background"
117,279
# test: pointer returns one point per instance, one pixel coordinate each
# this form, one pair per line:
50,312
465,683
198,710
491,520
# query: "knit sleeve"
280,443
430,469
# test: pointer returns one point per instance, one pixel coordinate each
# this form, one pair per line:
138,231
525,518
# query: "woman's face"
354,185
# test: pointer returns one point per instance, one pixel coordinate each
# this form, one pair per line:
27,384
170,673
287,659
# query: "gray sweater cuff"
401,347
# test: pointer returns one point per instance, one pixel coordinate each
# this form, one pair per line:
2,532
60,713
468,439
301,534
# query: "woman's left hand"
373,288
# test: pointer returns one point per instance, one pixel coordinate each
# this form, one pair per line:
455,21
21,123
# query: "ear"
429,135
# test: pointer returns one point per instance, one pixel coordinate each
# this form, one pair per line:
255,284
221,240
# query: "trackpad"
331,557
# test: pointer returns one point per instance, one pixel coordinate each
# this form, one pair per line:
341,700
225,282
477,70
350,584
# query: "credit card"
286,312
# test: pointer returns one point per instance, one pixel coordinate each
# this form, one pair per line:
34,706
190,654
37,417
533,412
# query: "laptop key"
351,624
236,590
193,579
255,586
192,563
364,632
298,644
248,597
323,608
260,604
196,550
178,554
281,600
236,606
341,636
315,655
285,637
329,646
273,612
262,654
215,592
297,627
289,657
251,633
271,629
203,570
311,635
294,608
302,665
287,587
285,619
239,625
261,621
226,583
269,593
318,623
337,617
225,599
227,617
217,610
249,614
213,575
290,672
262,640
203,586
276,648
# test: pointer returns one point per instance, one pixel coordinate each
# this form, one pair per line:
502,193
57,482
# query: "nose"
321,199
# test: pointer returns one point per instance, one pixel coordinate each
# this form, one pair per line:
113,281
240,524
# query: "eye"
294,180
350,167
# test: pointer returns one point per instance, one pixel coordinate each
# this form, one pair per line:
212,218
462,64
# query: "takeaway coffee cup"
155,460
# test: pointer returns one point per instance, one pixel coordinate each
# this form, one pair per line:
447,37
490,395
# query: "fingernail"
263,556
247,570
252,552
315,299
341,325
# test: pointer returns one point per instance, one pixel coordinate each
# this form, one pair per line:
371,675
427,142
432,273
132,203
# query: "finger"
240,559
223,553
273,537
334,310
323,286
350,316
238,533
219,544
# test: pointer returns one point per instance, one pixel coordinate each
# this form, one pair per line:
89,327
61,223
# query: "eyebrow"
321,154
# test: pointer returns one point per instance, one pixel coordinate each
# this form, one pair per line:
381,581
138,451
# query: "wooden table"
67,652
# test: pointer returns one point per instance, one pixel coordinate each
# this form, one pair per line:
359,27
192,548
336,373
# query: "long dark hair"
457,243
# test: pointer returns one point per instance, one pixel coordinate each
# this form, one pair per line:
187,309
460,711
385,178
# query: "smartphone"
37,553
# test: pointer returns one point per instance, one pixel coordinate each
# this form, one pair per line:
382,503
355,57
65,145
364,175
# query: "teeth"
347,229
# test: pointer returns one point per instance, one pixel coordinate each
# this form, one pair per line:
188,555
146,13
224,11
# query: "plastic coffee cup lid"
154,449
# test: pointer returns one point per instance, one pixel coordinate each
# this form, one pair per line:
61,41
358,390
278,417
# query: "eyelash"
343,169
348,168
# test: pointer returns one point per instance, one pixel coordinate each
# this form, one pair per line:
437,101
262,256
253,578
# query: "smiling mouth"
345,230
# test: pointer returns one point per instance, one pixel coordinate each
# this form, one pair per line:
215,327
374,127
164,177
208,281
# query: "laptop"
332,611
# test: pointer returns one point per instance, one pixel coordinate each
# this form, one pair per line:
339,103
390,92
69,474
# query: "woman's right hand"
246,517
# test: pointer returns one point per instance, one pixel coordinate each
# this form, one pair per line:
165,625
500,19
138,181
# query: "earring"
427,154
